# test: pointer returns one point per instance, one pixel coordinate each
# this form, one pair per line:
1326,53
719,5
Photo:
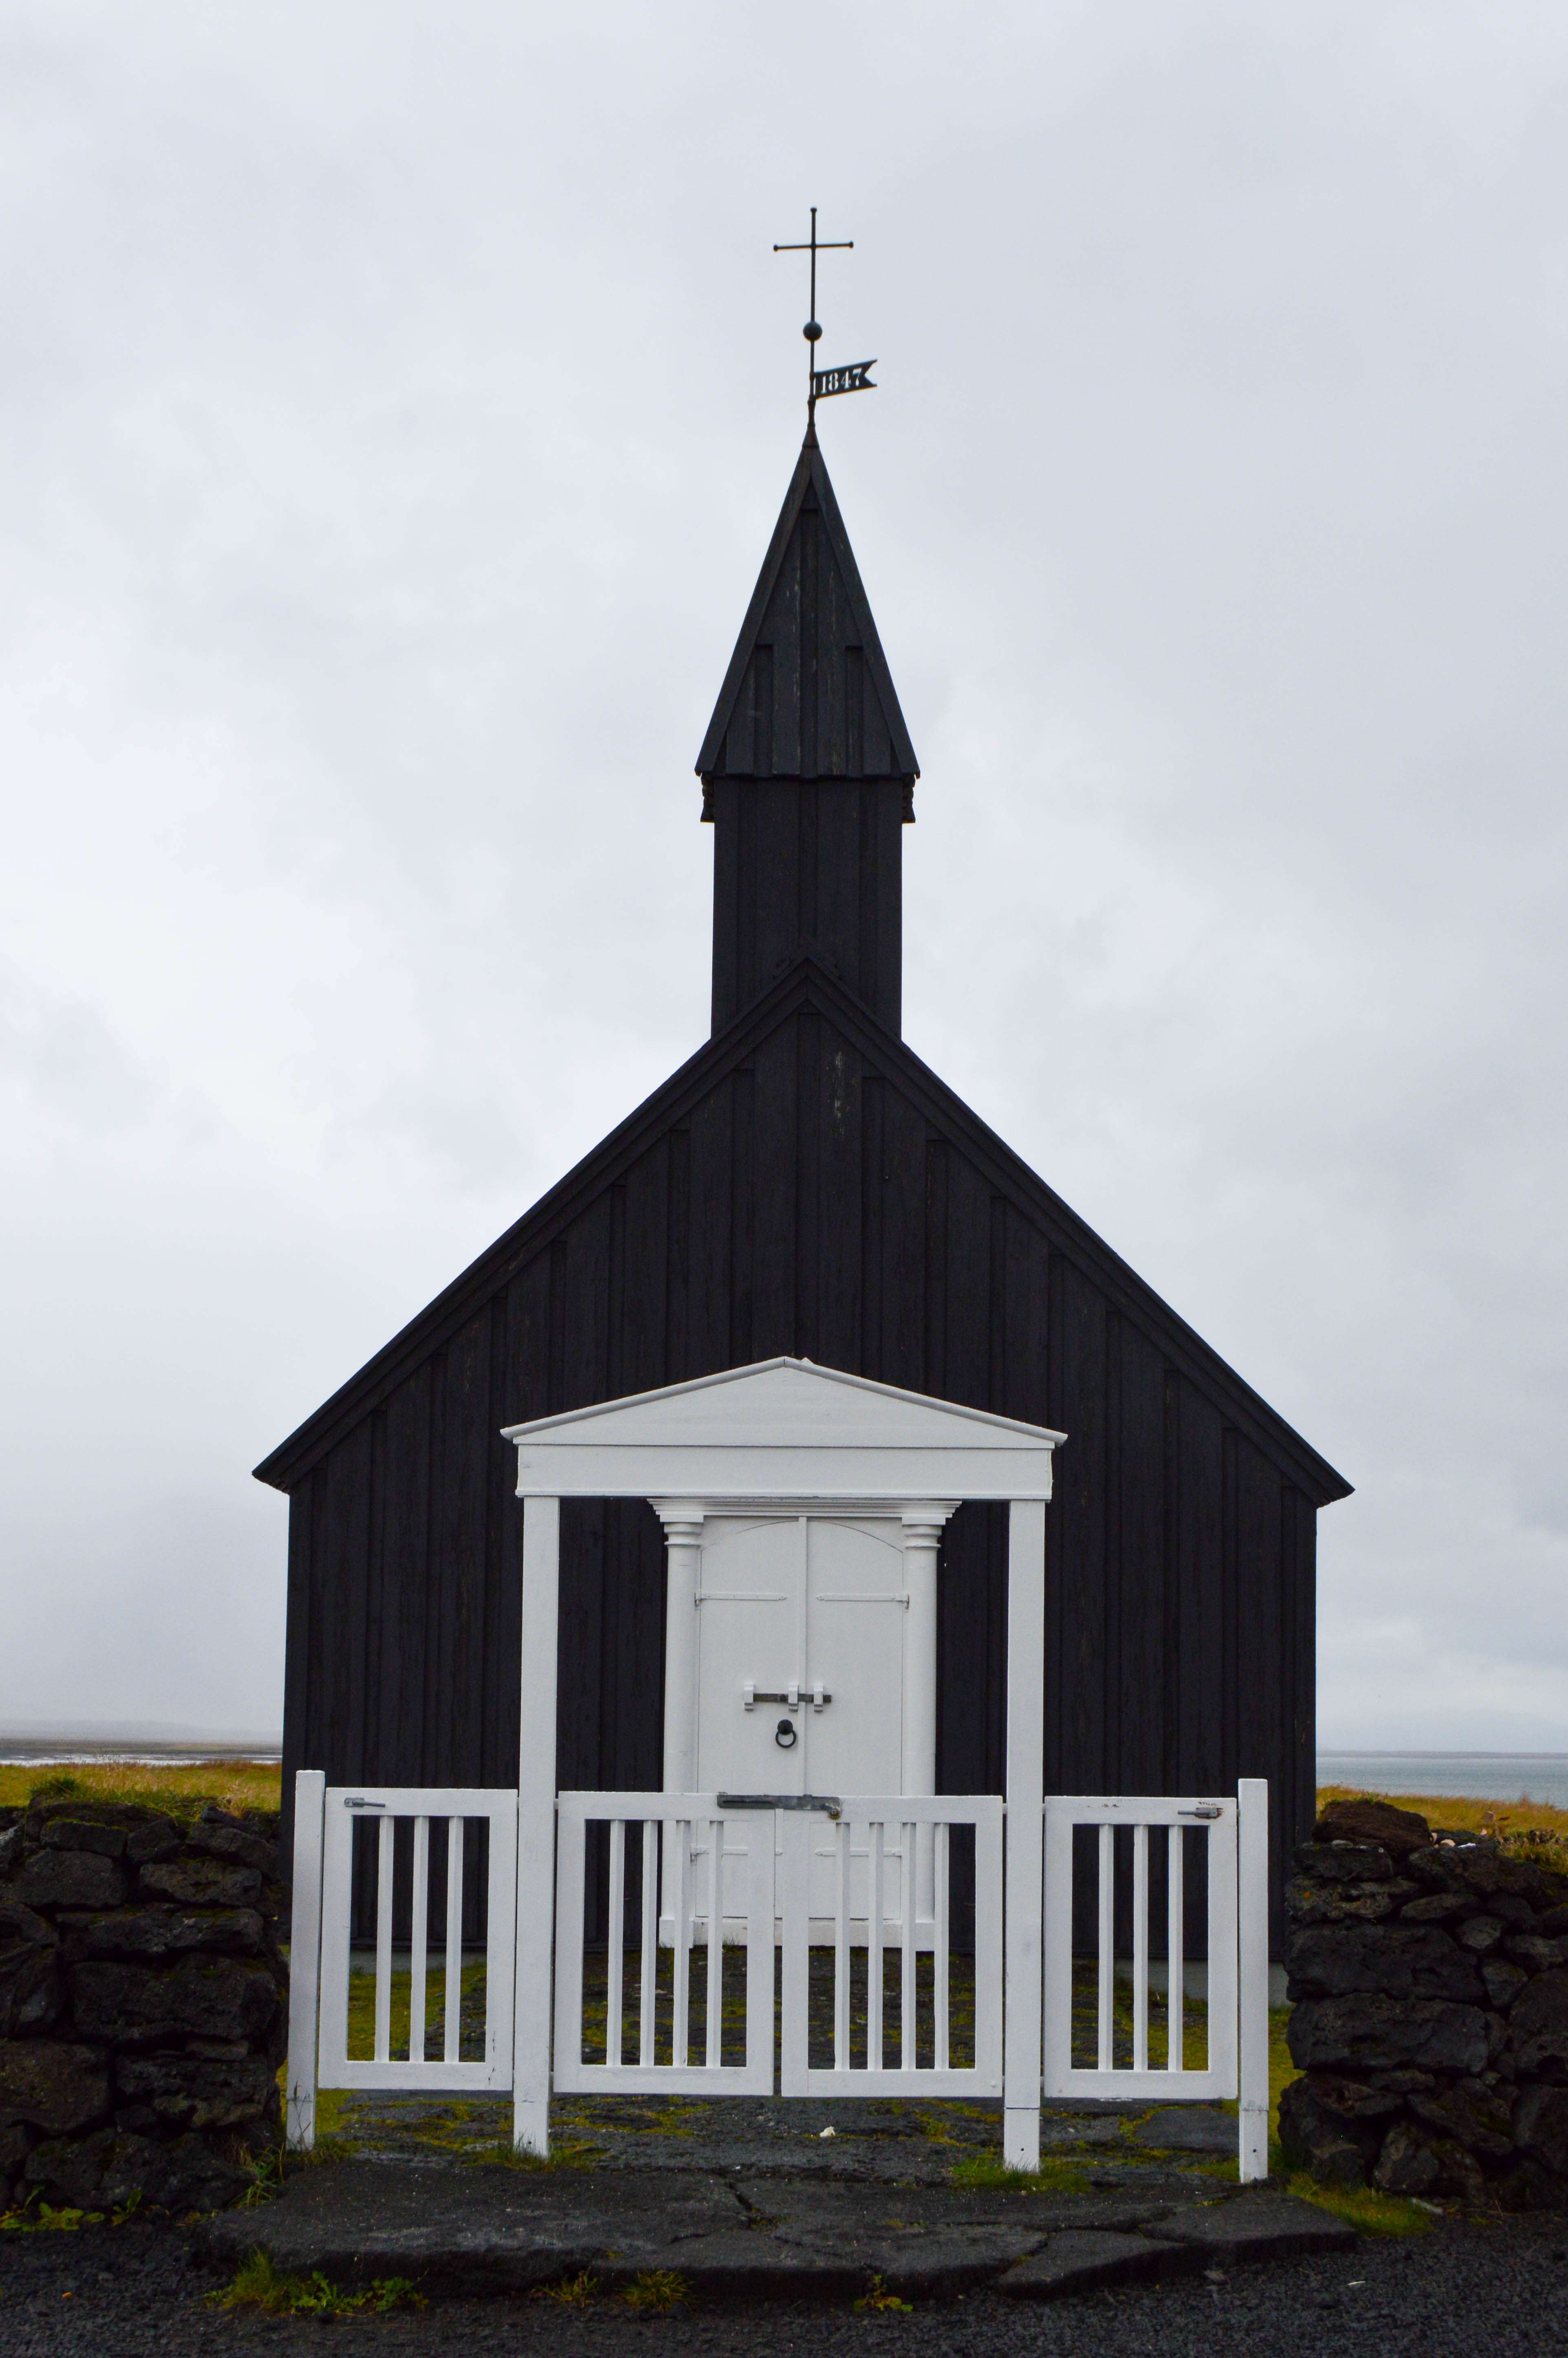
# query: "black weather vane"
821,383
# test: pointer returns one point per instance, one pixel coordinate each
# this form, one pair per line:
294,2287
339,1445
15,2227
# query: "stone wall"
143,2003
1429,1976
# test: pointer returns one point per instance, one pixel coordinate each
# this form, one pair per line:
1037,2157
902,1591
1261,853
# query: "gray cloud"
395,413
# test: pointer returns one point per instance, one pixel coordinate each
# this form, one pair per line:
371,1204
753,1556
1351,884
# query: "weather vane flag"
822,383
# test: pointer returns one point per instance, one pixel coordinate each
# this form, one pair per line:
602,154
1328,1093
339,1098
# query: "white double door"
815,1674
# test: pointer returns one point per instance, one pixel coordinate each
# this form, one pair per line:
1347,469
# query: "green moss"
257,2285
658,2289
1053,2177
1365,2210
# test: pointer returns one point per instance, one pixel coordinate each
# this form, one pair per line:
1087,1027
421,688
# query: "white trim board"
783,1429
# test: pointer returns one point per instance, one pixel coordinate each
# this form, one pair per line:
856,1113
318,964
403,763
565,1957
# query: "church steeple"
807,772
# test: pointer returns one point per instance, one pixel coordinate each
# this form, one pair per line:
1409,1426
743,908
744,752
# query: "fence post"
304,1957
536,1827
1025,1833
1252,1973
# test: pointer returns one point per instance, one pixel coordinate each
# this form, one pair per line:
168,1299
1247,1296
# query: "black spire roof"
808,693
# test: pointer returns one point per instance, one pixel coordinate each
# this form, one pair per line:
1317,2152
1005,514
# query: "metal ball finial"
811,331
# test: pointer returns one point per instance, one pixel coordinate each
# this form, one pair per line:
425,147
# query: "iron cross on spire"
821,383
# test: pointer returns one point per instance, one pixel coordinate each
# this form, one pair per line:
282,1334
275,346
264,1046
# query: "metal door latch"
816,1695
358,1802
827,1806
1210,1810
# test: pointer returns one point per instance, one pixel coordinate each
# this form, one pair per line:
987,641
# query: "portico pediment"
783,1429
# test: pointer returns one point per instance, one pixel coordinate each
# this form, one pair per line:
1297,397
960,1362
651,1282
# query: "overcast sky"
398,403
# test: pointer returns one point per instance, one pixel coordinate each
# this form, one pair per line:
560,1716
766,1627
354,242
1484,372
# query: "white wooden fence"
1217,1846
326,1818
671,1834
749,1867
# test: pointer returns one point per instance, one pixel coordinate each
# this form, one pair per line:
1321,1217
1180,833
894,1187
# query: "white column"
1025,1832
536,1827
1252,1973
922,1538
304,1957
682,1520
923,1521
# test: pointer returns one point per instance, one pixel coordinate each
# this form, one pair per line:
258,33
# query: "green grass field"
182,1790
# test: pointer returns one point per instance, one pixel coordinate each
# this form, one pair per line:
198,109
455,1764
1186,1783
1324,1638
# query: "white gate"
1220,1844
326,1819
908,1915
735,1853
734,1864
745,1863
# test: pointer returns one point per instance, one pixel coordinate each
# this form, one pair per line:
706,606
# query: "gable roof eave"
451,1310
806,982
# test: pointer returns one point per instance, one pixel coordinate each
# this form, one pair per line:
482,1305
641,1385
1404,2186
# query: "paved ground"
776,2230
134,2293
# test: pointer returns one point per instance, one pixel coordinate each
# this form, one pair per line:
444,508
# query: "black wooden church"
805,1184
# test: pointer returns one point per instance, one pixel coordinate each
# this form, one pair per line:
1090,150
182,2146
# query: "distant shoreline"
36,1745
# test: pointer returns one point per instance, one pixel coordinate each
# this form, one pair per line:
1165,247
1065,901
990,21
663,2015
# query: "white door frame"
783,1432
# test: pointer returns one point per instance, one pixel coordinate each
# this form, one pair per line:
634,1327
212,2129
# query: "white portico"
797,1852
803,1510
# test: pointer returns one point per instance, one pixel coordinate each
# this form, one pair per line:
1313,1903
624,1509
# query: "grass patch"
657,2291
257,2285
879,2302
181,1791
562,2155
572,2292
1054,2176
1365,2210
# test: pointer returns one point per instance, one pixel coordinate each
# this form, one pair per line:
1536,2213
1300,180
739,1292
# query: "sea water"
1482,1776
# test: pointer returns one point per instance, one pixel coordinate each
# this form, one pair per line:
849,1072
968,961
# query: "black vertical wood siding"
804,1201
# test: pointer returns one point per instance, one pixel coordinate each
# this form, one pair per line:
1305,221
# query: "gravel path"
1468,2287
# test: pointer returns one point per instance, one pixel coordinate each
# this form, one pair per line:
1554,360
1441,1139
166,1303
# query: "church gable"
804,1186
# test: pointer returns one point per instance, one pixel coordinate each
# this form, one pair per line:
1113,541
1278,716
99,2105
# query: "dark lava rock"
1473,2114
213,1997
1308,1902
1438,1907
1343,1862
1335,2127
1367,1820
161,1932
202,1883
85,1834
15,2144
158,1838
198,2092
1084,2259
1365,2032
10,1848
1481,1934
242,1847
1537,2029
67,1878
1414,1959
55,2086
31,1990
1554,1922
97,2172
1535,1954
1504,1982
1513,1888
1541,2127
1414,2160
